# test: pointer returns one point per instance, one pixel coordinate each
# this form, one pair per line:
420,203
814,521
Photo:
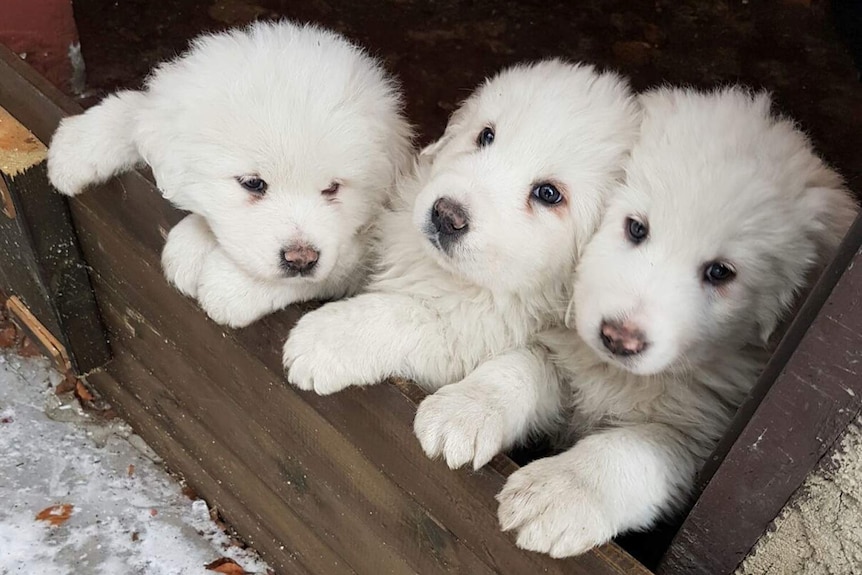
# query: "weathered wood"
147,422
817,394
302,479
40,261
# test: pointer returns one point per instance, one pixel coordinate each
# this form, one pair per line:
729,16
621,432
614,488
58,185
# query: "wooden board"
779,439
320,485
40,261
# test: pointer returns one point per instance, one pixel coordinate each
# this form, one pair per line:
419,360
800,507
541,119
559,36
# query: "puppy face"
286,139
724,213
517,182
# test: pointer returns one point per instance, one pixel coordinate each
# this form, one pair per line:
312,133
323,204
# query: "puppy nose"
622,338
449,217
299,258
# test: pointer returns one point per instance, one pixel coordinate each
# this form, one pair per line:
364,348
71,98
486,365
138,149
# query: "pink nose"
299,259
622,338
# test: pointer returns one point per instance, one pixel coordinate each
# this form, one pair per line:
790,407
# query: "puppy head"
725,213
515,186
286,139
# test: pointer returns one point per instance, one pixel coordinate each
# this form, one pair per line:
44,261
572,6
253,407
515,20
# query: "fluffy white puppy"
284,142
475,260
725,215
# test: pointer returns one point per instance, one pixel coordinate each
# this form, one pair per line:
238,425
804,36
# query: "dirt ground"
818,532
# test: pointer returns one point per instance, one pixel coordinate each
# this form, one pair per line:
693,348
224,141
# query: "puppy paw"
70,167
320,353
552,510
186,250
227,294
462,425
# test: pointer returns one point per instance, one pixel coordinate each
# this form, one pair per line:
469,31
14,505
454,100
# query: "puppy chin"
647,364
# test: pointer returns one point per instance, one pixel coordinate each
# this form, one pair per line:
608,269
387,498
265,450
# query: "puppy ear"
830,212
453,128
826,211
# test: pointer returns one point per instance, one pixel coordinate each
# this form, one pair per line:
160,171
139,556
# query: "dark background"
799,49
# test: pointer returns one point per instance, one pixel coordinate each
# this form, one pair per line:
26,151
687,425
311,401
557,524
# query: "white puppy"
725,215
475,261
284,142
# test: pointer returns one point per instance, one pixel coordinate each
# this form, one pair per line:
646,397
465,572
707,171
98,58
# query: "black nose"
299,259
449,218
622,338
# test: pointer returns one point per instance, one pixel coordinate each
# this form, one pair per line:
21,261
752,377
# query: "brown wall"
45,31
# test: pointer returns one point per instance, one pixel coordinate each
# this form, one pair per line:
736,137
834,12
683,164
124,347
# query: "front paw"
70,167
319,354
186,250
227,295
462,425
552,510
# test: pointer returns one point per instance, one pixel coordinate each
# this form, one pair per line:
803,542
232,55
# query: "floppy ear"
831,211
826,211
453,128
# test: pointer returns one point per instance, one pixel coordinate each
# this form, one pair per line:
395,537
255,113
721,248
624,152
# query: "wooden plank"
364,505
147,422
40,261
31,99
817,394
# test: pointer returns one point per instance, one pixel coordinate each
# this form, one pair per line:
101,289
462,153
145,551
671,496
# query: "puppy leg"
364,340
614,481
234,298
92,147
185,252
497,405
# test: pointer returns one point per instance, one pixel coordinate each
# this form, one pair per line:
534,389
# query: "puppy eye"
716,273
547,194
486,137
253,184
636,231
332,189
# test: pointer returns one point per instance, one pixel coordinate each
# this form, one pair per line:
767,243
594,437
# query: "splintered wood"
19,148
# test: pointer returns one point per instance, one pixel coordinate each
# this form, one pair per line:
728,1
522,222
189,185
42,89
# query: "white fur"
717,177
435,318
296,106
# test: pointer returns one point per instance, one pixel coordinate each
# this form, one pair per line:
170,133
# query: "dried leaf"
8,336
82,392
135,536
6,419
227,566
68,384
56,514
28,349
131,469
190,492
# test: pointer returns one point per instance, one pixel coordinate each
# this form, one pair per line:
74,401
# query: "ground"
818,532
82,494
